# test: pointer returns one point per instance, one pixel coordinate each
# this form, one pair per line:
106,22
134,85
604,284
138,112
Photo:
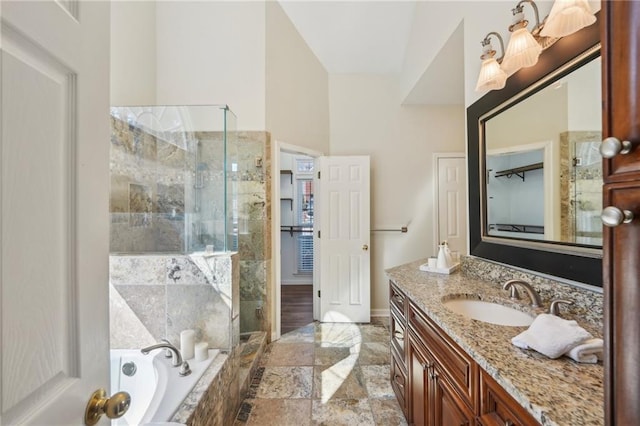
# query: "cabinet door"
497,407
622,295
621,263
448,408
420,395
621,103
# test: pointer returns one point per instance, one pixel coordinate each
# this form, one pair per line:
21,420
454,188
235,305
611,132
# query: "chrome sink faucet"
176,357
536,302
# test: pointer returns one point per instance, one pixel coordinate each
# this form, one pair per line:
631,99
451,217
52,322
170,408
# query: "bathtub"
155,387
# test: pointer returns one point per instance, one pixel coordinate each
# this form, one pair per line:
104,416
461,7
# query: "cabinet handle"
426,365
398,382
398,298
610,147
613,216
398,335
508,423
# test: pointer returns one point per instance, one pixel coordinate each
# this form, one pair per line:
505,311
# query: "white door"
451,198
54,227
344,226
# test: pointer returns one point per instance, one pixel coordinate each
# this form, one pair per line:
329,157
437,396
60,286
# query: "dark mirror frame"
553,260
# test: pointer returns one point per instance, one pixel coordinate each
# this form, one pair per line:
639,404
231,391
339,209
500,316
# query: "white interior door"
54,201
451,195
344,226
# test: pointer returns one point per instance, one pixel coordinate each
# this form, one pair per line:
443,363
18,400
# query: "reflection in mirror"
543,167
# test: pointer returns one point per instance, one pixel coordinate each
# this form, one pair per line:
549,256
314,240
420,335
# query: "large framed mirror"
535,174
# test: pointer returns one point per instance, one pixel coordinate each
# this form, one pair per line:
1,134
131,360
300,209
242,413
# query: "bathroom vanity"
447,369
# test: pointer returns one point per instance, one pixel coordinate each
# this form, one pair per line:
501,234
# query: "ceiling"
354,36
371,37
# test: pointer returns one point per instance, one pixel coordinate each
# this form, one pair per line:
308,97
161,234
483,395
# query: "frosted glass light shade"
491,76
567,17
523,51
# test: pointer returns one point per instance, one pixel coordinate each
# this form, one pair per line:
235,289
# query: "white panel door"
344,224
451,200
54,226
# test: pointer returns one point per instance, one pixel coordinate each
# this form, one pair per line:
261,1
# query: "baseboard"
380,312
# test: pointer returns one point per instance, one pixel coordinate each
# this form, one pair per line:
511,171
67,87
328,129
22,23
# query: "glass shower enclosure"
171,184
174,224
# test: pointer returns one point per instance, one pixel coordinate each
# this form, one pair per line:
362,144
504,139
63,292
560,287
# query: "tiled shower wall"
254,230
580,187
171,293
152,191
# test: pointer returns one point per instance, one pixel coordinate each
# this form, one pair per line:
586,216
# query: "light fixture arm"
486,44
519,9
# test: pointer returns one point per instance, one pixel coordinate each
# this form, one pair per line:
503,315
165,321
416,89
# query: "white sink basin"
493,313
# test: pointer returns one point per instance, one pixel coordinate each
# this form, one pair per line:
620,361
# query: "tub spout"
176,358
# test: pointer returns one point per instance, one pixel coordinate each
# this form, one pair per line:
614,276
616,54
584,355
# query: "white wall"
367,119
213,53
297,86
435,21
133,53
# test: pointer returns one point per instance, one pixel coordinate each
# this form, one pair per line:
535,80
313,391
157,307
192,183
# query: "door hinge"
318,175
318,293
318,234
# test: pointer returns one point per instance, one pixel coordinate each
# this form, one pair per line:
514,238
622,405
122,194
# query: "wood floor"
296,307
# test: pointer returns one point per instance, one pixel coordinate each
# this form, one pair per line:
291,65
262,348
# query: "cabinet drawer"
399,382
455,363
398,336
497,407
397,299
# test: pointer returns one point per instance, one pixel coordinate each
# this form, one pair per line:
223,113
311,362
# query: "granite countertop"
555,392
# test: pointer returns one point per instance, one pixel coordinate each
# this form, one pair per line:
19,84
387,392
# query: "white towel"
588,352
551,336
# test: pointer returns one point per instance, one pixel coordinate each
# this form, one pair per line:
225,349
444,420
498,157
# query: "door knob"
613,216
114,407
610,147
365,247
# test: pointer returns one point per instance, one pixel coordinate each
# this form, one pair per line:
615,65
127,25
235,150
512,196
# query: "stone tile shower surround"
151,205
164,295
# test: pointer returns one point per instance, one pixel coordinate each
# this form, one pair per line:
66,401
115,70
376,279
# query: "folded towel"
588,352
551,336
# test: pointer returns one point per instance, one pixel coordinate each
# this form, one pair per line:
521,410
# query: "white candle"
187,343
202,351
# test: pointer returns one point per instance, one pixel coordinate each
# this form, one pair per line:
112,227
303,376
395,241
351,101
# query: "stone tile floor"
324,374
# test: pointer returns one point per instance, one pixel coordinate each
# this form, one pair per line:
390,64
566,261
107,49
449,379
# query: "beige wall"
133,53
213,53
297,86
367,119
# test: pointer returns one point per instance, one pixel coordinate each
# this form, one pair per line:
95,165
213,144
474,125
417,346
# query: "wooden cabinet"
398,329
435,381
442,377
621,246
497,408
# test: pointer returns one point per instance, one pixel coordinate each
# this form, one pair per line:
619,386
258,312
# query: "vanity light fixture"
491,77
523,49
567,17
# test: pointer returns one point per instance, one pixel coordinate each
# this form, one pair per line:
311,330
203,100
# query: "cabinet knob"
613,216
398,335
426,365
610,147
399,380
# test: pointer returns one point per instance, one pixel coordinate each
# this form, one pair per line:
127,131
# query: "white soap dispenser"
447,253
442,262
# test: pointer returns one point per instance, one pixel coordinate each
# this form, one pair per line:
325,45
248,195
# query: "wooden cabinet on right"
497,407
621,246
436,382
